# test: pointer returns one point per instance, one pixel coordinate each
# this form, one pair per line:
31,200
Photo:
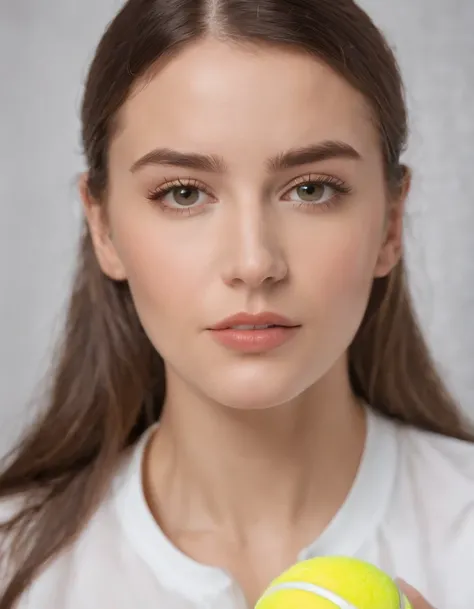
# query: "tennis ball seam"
337,600
328,595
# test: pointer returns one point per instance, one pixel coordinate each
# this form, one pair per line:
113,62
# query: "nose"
255,252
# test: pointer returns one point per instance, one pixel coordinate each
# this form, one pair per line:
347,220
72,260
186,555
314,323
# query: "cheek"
162,268
342,260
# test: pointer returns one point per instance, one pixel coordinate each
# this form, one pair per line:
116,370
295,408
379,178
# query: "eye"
312,192
183,196
315,192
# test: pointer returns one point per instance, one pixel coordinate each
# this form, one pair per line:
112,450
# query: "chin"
260,390
262,401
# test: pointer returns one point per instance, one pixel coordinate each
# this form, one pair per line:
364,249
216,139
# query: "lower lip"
254,341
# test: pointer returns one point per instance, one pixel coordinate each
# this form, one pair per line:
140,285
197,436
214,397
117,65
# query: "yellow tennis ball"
333,582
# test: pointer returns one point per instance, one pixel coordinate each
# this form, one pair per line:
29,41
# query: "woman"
242,382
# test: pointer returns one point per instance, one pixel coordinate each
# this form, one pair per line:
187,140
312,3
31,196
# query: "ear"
392,246
105,251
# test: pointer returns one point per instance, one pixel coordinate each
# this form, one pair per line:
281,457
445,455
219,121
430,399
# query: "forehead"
231,99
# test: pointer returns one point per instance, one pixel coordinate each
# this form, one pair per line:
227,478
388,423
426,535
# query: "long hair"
107,383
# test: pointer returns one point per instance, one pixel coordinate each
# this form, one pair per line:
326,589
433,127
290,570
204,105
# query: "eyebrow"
315,153
211,163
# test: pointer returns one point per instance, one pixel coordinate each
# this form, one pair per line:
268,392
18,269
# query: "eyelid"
316,177
169,184
161,191
338,185
158,194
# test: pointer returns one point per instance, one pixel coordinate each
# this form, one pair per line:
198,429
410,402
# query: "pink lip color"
258,340
254,341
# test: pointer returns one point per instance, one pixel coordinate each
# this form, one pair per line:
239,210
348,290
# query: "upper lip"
259,319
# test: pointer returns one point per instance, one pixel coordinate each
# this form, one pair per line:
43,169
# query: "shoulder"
77,567
436,478
432,482
85,572
437,461
434,505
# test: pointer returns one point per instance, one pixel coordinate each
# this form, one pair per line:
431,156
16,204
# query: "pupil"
186,196
311,192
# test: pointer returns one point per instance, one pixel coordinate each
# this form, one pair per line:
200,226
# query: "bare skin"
415,598
255,452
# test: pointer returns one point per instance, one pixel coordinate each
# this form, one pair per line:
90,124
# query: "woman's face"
247,180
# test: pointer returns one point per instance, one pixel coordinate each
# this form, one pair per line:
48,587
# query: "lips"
249,322
254,334
257,334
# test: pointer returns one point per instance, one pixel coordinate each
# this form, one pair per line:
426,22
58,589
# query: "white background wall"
45,48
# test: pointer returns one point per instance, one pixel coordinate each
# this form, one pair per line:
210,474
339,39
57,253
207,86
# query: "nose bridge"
255,245
254,232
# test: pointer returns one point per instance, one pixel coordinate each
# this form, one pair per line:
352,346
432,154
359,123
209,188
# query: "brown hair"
108,383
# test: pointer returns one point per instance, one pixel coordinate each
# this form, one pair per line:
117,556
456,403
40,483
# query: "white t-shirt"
410,511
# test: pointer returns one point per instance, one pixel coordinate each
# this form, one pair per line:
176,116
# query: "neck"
294,463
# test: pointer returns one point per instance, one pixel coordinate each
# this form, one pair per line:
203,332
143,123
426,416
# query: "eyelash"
341,189
162,191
